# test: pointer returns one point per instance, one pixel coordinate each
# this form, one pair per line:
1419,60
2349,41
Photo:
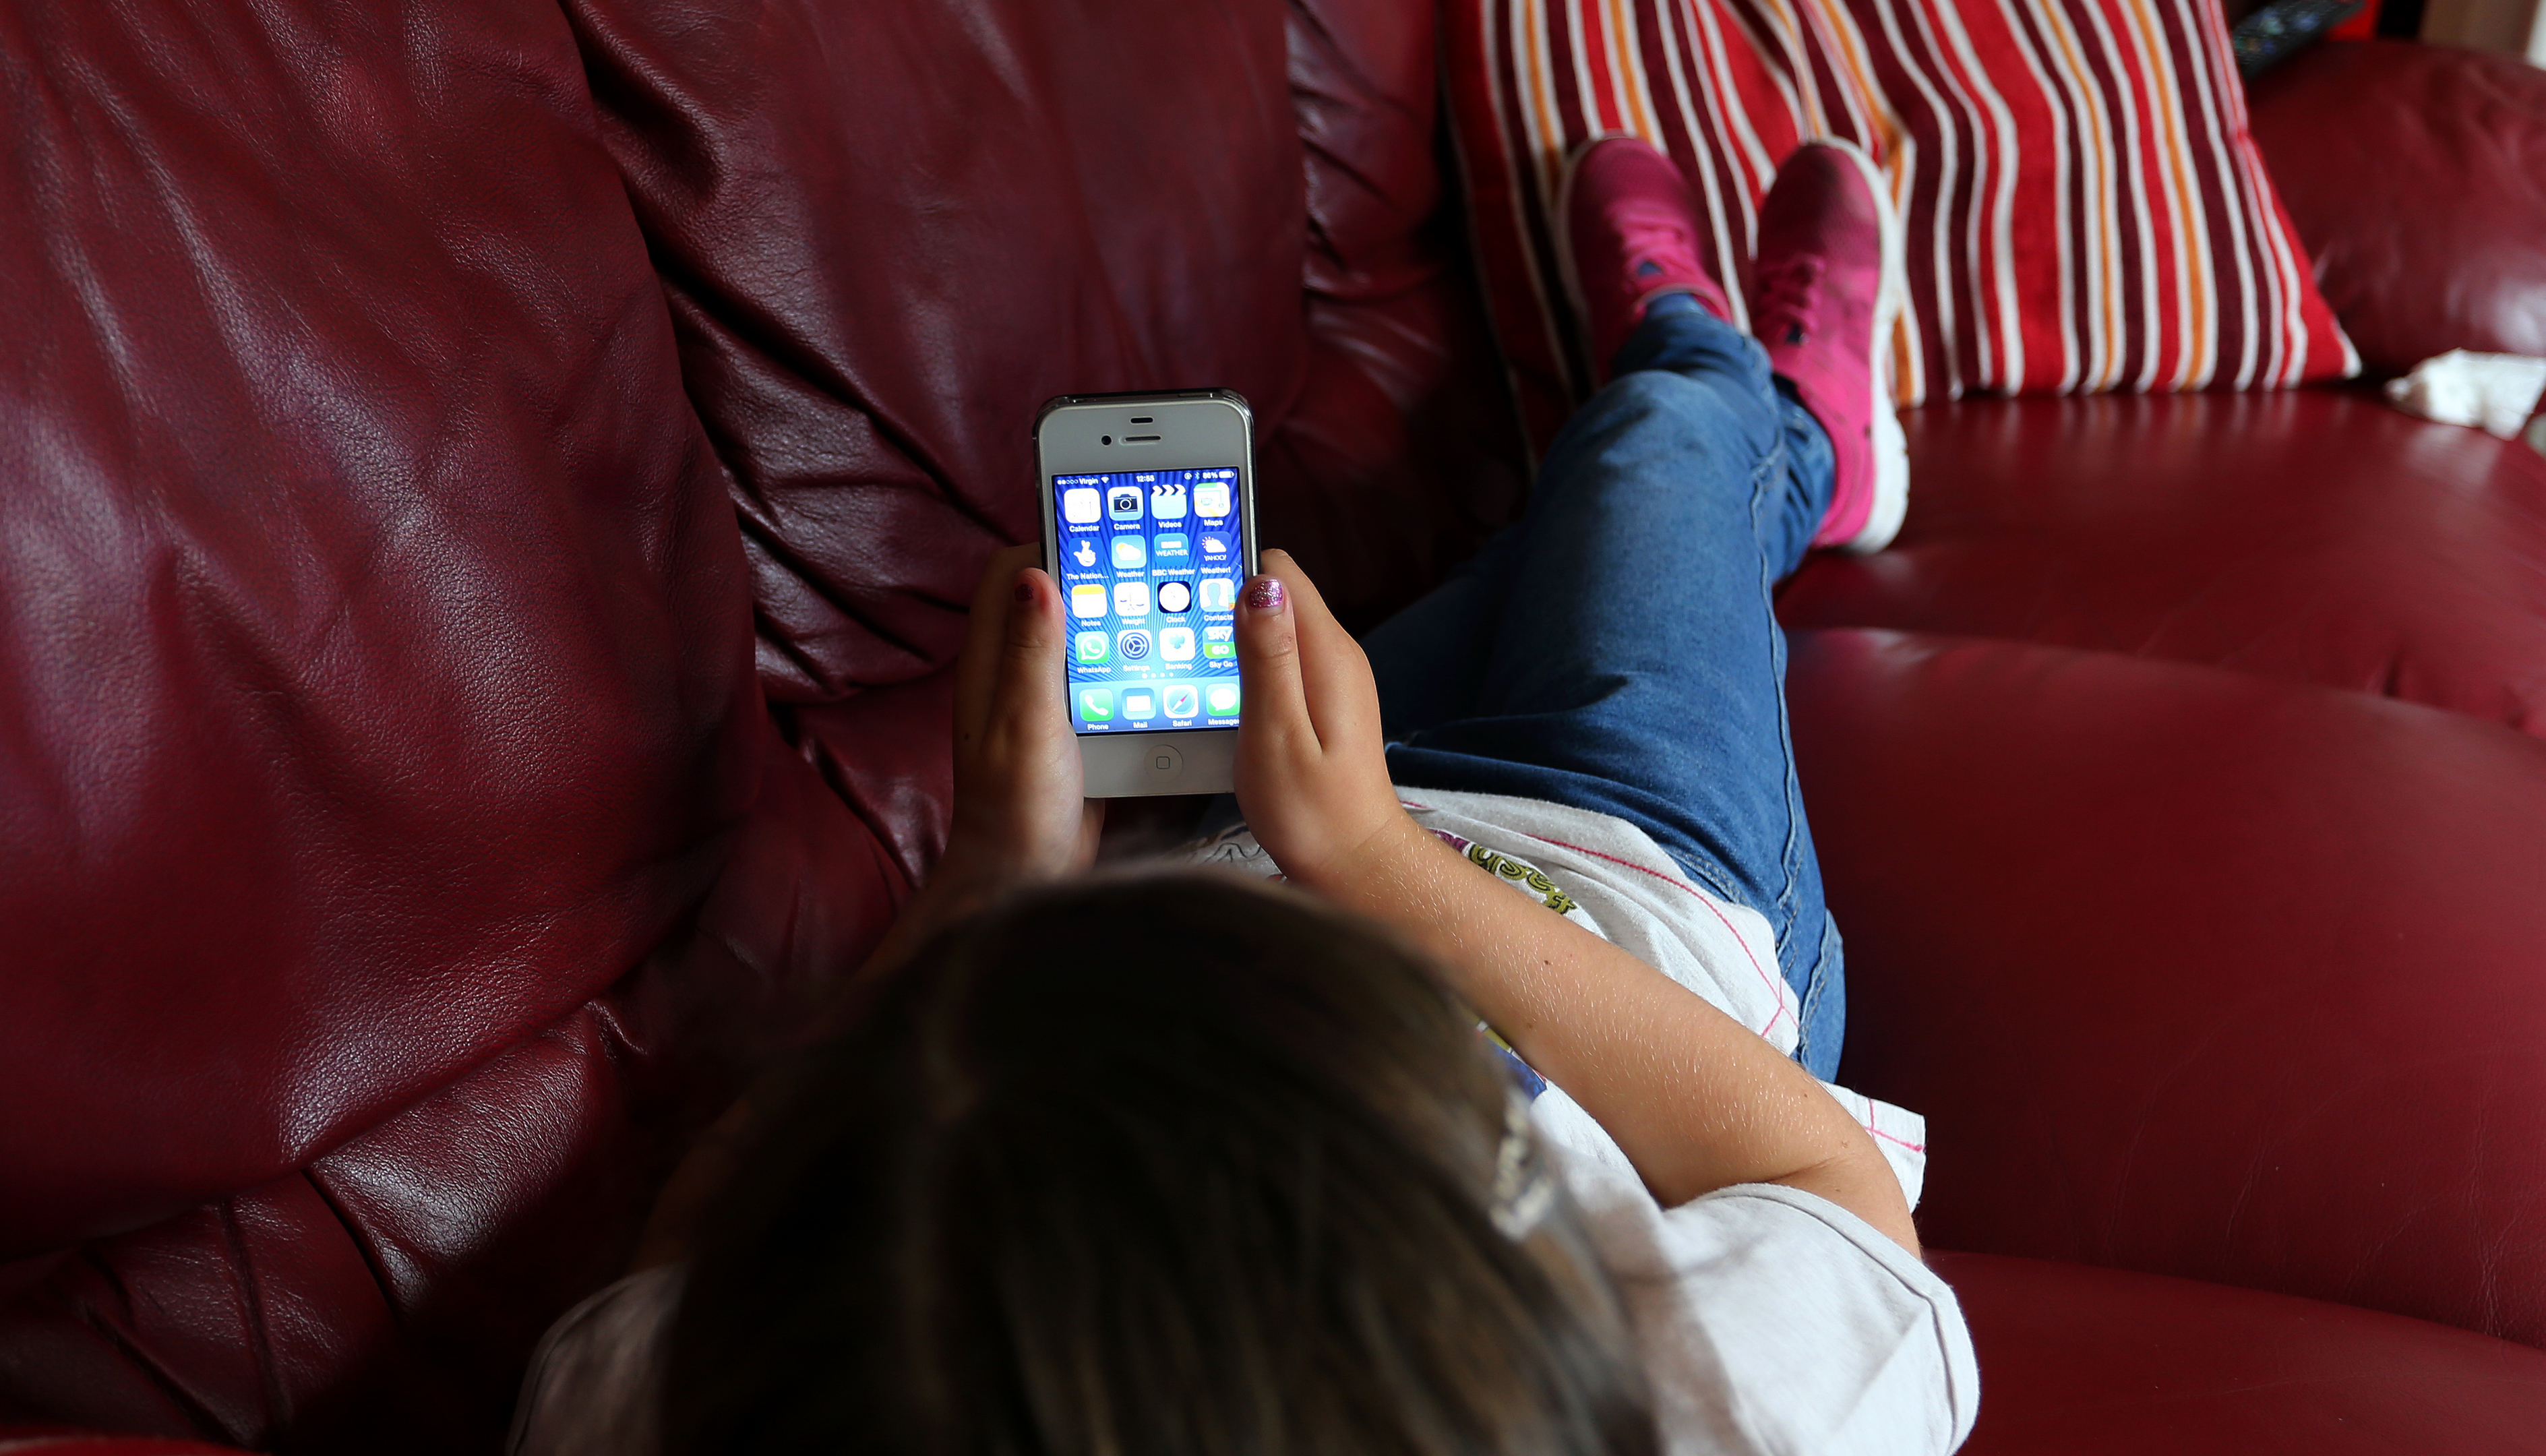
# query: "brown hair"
1166,1165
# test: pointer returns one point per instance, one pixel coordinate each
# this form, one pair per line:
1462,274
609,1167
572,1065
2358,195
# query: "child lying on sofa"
1185,1162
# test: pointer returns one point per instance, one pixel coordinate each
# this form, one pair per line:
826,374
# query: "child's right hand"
1312,773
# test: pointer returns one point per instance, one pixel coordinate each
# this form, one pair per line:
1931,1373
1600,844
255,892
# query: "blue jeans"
1617,649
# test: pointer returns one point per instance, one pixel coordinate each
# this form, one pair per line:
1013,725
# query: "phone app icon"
1094,649
1182,700
1078,507
1211,499
1215,546
1218,641
1085,556
1140,702
1174,596
1133,644
1123,503
1218,593
1097,704
1176,644
1087,602
1221,698
1131,598
1167,501
1169,544
1130,552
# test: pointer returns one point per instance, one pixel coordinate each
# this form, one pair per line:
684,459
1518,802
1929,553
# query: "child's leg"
1617,650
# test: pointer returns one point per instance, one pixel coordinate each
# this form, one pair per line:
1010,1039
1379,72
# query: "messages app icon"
1221,698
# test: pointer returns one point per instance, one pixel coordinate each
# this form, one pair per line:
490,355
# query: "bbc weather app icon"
1140,702
1176,644
1221,698
1095,649
1174,596
1167,501
1211,499
1182,700
1123,503
1219,594
1087,602
1131,553
1133,644
1097,704
1170,546
1131,598
1078,507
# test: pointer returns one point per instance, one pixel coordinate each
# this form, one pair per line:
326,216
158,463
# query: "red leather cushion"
2085,1362
2417,176
2193,972
374,627
2311,535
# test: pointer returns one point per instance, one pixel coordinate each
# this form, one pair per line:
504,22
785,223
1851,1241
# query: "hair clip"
1523,1192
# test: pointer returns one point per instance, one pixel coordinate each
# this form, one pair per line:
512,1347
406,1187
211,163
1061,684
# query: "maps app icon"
1167,501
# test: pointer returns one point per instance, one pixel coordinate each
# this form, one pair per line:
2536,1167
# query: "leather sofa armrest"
2417,176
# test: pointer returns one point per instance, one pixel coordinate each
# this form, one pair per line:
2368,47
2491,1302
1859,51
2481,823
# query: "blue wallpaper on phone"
1149,571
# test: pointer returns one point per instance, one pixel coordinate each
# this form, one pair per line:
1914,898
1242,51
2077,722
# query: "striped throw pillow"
2085,210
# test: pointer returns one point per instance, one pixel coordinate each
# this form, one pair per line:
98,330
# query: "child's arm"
1697,1100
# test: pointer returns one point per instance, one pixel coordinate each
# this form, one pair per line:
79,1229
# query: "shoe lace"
1787,289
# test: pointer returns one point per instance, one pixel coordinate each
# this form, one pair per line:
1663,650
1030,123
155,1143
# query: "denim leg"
1617,649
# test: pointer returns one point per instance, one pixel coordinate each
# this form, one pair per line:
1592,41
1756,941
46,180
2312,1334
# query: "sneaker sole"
1891,503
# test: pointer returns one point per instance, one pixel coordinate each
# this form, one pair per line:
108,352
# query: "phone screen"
1150,567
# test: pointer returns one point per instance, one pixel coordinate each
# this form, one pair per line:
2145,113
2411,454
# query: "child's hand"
1311,766
1020,808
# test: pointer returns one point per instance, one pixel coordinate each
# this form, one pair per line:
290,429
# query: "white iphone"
1149,526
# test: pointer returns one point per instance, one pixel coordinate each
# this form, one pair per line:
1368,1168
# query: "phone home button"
1162,762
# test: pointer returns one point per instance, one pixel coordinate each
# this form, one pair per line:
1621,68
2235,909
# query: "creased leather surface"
2416,177
371,621
2096,1362
2311,535
2191,971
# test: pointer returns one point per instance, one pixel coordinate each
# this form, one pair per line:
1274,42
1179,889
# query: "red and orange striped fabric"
2085,210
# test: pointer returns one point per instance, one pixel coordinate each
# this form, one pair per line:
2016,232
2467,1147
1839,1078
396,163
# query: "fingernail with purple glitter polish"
1266,594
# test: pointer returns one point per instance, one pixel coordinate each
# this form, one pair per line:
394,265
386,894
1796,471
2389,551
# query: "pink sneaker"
1630,235
1830,285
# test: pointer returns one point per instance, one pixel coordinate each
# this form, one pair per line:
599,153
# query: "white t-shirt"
1769,1319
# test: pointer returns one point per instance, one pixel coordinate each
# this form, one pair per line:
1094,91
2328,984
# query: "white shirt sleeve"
1770,1319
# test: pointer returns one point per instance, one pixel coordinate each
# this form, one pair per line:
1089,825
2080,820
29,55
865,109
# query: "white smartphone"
1149,526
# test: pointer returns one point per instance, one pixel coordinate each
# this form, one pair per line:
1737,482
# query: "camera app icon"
1123,503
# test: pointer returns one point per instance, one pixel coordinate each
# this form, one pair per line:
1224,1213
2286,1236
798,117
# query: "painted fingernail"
1266,594
1024,590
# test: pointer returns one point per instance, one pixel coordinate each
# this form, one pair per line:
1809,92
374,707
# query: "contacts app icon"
1218,593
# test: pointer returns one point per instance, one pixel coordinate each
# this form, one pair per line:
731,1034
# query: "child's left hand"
1021,811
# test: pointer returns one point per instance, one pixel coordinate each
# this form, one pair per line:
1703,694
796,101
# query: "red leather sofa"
491,487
